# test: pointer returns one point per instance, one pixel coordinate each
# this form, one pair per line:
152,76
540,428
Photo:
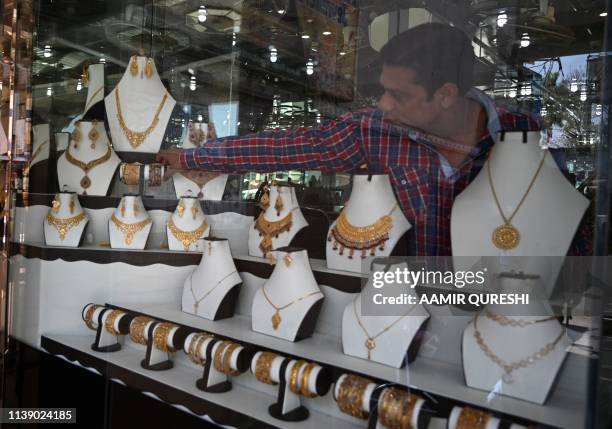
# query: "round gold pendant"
506,237
85,182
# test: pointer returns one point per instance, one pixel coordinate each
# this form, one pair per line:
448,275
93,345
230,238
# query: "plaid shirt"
423,187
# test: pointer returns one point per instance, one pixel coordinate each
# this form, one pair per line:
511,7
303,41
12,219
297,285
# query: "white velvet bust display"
211,190
130,211
67,206
95,87
191,219
547,220
211,281
86,150
369,201
513,343
61,141
140,97
290,206
290,280
40,143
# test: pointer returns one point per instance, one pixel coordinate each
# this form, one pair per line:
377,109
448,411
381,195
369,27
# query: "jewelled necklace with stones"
87,166
137,137
187,238
276,317
506,236
129,229
363,238
271,229
510,367
64,225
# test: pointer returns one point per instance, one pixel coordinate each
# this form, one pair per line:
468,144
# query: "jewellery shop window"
307,214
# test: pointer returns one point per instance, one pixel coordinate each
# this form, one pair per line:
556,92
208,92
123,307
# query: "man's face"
404,101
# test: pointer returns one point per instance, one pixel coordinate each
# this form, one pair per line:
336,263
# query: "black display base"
228,305
161,366
222,387
106,349
299,414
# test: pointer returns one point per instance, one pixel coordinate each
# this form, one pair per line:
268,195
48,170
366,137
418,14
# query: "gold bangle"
350,395
396,407
131,173
88,319
109,323
304,389
160,336
137,329
227,359
219,355
471,418
194,348
295,370
264,366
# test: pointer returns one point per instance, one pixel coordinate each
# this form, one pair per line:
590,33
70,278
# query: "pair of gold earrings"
135,208
148,68
56,204
279,204
287,259
181,209
93,134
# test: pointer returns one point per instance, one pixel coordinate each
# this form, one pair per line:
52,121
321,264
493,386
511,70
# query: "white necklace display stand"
369,201
106,341
291,279
215,283
40,143
212,190
117,238
140,98
69,207
159,360
513,343
215,381
290,206
547,221
100,176
399,341
61,141
95,88
187,222
197,126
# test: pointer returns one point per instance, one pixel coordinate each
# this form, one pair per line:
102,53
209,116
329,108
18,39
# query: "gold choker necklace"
364,238
87,166
64,225
129,229
137,137
271,229
187,237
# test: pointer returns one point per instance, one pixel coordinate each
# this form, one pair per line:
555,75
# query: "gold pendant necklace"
271,229
507,236
137,137
64,225
187,238
364,238
87,166
276,318
129,229
196,301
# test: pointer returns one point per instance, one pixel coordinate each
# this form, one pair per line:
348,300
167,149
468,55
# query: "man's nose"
385,103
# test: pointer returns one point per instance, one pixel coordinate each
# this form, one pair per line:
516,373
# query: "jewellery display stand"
514,343
371,199
95,88
453,419
158,360
546,221
200,129
294,291
271,215
130,216
105,341
41,135
61,141
211,190
140,97
214,381
187,218
58,228
93,179
215,282
390,340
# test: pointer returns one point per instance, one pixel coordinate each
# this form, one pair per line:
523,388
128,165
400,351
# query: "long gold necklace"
510,367
129,229
364,238
64,225
276,318
370,342
196,301
506,236
271,229
87,166
187,237
137,137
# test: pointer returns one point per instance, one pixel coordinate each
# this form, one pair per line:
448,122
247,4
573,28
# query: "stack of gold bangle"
293,377
130,173
350,395
155,175
395,408
160,336
137,329
304,385
223,357
471,418
88,319
194,348
264,366
109,323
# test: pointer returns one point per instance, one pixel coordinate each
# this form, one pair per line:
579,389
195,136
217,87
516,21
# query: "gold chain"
87,166
515,323
187,237
364,238
196,300
129,229
276,318
64,225
271,229
137,137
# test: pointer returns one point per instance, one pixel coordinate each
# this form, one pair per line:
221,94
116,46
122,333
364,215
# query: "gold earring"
56,204
122,209
134,65
264,201
76,135
194,210
180,208
93,134
288,260
136,208
72,204
149,68
278,204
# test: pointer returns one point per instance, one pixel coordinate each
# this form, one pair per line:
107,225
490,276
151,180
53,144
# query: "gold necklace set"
136,138
64,225
271,229
87,166
129,229
366,238
276,317
187,238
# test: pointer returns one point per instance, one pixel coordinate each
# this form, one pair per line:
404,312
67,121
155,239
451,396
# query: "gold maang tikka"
180,209
56,204
93,133
134,66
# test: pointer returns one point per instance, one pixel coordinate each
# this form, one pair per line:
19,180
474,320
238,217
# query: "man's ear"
447,95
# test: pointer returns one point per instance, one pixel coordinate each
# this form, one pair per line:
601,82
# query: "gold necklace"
187,237
276,318
509,367
515,323
506,236
129,229
370,342
137,137
64,225
196,300
87,166
271,229
364,238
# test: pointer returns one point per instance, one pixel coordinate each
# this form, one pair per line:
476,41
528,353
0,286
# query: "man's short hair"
438,53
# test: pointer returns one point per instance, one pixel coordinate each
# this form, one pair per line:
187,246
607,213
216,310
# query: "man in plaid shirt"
431,133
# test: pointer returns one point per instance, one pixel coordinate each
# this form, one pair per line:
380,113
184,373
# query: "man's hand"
171,159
